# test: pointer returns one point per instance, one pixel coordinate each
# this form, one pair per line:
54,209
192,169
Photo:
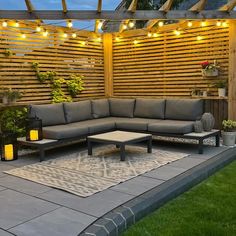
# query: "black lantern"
34,129
9,150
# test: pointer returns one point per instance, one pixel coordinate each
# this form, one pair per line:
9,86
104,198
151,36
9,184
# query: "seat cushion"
50,114
100,108
97,125
78,111
122,107
150,108
184,109
171,127
134,124
64,131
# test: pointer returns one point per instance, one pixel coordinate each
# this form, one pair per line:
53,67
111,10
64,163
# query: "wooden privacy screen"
53,53
168,65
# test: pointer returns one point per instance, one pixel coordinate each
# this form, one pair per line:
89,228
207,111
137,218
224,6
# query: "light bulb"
160,23
149,34
190,23
65,35
17,24
4,24
117,39
199,37
99,39
124,27
83,43
177,32
38,29
218,23
74,35
224,24
69,24
100,24
23,36
131,24
155,35
203,23
45,33
135,42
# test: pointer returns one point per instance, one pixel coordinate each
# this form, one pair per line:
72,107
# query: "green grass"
208,209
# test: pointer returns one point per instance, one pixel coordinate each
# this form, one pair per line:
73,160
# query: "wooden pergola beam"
64,6
114,15
228,6
199,6
99,10
132,8
29,6
166,7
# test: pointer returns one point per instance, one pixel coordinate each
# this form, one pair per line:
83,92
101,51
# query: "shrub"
229,125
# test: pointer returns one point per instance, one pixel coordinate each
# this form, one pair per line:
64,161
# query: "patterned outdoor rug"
85,175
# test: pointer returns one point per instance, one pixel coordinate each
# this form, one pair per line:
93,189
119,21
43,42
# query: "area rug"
85,175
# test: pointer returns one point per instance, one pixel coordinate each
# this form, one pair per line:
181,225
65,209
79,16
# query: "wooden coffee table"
120,139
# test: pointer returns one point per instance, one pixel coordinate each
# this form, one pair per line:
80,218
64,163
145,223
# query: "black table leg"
217,137
149,145
122,152
41,154
200,146
90,151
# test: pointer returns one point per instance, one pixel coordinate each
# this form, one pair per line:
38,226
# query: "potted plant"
221,86
4,95
10,96
210,69
229,132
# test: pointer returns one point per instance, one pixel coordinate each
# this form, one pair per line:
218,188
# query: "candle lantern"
34,129
9,150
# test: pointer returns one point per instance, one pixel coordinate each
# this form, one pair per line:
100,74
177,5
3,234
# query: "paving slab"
16,208
187,163
165,172
5,233
137,185
4,167
61,222
2,188
95,205
23,185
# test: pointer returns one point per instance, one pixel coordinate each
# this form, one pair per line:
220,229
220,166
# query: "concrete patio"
28,208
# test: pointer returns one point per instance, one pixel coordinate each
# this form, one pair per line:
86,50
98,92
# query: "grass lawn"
208,209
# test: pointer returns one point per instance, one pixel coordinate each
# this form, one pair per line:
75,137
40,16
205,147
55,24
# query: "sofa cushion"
121,107
51,114
150,108
184,109
97,125
78,111
171,127
64,131
134,124
100,108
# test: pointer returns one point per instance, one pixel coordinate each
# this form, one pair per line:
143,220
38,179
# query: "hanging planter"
210,73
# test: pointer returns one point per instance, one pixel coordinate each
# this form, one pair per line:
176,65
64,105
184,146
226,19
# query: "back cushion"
51,114
122,107
150,108
184,109
78,111
100,108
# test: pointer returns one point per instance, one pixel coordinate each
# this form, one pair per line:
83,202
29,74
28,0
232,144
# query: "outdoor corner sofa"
66,122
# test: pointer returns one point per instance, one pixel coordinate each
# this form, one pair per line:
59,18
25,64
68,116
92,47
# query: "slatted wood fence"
65,56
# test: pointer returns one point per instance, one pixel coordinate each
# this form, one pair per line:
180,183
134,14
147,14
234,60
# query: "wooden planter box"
210,73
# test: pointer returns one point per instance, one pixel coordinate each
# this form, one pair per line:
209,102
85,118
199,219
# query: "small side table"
41,145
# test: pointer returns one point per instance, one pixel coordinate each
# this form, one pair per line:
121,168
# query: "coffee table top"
119,136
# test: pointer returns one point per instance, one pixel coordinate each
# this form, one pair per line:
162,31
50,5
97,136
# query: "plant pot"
210,73
5,100
228,138
221,92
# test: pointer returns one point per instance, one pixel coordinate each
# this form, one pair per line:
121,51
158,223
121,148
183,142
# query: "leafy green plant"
75,84
220,84
59,96
13,120
11,94
229,125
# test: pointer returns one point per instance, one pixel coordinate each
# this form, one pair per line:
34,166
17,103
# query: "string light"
38,28
224,24
177,32
203,23
131,24
45,33
99,39
4,24
74,35
117,39
190,23
83,43
160,23
23,36
155,35
17,24
69,24
65,35
124,27
135,42
218,23
100,24
199,37
149,34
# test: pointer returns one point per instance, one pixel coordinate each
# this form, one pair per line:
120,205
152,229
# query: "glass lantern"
34,129
9,149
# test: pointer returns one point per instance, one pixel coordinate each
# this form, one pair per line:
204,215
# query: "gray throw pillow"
50,114
78,111
150,108
122,107
100,108
184,109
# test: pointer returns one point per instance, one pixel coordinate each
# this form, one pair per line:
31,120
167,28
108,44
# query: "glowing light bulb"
177,32
190,23
65,35
224,24
218,23
45,33
199,37
117,39
131,24
155,35
17,24
74,35
23,36
83,43
203,23
4,24
135,42
160,23
38,29
69,24
100,24
124,27
99,39
149,34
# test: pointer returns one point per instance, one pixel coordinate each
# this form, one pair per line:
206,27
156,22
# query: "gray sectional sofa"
71,121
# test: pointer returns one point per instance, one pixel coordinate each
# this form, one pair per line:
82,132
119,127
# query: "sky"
56,5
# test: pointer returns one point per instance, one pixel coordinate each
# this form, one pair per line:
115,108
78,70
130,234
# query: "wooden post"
232,71
108,64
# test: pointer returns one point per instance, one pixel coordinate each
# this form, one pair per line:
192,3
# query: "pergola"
128,63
